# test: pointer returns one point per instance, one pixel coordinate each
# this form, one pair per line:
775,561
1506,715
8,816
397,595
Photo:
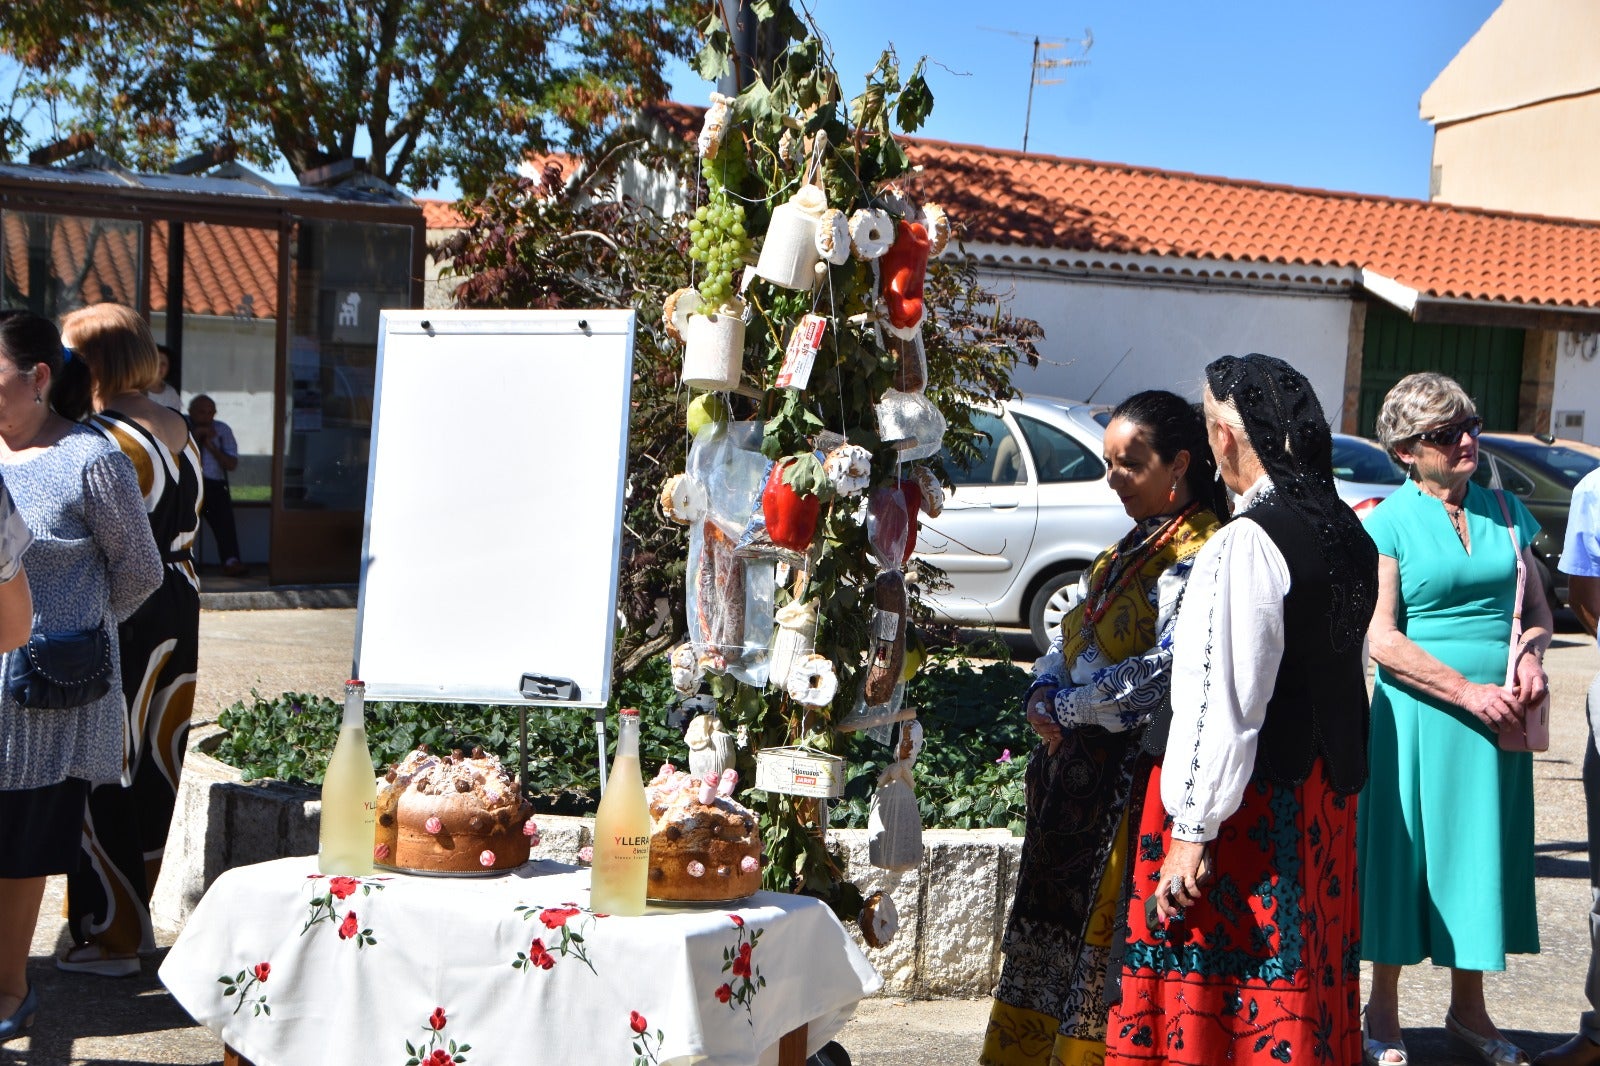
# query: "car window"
1569,465
999,459
1358,460
1057,455
1509,477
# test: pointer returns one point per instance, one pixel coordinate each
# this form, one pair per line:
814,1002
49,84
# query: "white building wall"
1107,339
1577,387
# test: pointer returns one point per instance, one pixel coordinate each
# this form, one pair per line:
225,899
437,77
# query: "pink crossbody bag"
1535,732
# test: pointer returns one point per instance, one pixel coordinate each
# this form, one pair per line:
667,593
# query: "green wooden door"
1487,362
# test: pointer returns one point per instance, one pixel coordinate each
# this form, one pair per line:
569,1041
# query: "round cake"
451,814
704,846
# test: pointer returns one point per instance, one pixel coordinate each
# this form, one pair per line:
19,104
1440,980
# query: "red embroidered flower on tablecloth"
739,961
241,983
436,1051
645,1045
572,921
556,917
539,956
327,898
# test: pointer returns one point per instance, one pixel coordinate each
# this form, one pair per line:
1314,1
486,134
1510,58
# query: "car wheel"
1049,603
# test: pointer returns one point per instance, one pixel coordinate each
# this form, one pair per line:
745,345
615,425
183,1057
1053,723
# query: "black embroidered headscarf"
1285,425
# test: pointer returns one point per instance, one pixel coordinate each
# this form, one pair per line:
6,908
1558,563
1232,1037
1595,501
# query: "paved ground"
134,1021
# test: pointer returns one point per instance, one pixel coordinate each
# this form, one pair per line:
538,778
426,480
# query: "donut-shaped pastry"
675,312
849,468
813,682
871,233
833,236
938,224
683,499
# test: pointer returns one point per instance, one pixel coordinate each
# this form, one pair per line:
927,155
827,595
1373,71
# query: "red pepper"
905,266
791,517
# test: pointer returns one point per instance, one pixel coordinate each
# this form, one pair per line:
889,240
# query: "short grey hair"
1420,402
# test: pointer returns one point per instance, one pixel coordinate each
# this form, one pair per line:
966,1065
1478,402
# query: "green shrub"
970,713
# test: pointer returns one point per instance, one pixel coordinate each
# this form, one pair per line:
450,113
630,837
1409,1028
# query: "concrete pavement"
134,1021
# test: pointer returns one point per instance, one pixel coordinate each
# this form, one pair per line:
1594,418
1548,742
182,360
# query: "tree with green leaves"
791,128
423,89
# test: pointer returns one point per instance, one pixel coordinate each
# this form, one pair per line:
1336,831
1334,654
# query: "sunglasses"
1449,436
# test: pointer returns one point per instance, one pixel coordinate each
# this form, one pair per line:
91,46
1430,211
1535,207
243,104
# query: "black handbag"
55,671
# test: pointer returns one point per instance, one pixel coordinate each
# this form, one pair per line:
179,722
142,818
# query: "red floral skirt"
1266,968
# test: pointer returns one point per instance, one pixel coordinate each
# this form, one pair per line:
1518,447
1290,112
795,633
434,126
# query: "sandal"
1373,1051
1492,1052
94,959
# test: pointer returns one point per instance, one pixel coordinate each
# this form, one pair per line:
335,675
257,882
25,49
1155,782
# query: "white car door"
986,531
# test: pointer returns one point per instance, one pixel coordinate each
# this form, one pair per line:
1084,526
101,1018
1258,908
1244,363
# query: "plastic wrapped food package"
911,424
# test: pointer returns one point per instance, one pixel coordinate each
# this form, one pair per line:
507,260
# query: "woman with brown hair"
108,898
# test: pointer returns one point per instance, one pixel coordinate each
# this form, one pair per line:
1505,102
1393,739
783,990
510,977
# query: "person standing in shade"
219,455
1580,559
125,831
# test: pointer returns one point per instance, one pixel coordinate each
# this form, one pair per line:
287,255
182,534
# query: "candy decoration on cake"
703,845
443,814
486,858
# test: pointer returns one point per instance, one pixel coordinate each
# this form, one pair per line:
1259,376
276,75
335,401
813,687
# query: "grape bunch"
718,242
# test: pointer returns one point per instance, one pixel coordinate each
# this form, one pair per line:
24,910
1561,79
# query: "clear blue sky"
1312,93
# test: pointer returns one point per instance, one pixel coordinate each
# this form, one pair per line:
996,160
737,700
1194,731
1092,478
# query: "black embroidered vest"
1319,703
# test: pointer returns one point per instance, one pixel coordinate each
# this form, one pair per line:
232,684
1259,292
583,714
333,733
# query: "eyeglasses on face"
1449,436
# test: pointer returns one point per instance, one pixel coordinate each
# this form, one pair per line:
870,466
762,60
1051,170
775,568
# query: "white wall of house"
1577,386
1108,338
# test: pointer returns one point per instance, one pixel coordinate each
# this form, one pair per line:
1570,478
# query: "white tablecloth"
288,966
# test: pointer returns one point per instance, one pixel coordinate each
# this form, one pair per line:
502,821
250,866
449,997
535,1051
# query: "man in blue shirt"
1580,559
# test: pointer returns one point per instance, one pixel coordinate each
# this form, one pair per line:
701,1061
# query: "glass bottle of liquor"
622,830
349,794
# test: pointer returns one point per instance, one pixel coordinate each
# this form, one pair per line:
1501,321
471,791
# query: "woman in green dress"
1446,819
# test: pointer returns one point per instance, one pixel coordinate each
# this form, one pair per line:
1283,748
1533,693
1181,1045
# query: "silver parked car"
1032,511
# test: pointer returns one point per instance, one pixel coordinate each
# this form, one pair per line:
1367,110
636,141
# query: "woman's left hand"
1187,867
1531,683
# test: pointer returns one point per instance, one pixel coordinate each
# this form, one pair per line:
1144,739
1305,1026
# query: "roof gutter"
1389,290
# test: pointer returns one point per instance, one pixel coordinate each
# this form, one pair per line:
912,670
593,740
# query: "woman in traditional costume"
1095,691
1447,819
1243,931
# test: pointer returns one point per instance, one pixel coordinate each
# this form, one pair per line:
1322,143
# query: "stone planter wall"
952,907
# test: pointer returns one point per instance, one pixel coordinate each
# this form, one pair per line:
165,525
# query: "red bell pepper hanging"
904,268
913,497
791,517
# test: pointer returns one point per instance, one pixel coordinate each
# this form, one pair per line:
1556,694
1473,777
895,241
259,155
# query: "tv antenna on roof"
1043,66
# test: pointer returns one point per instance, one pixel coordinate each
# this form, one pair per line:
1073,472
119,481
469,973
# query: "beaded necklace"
1123,566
